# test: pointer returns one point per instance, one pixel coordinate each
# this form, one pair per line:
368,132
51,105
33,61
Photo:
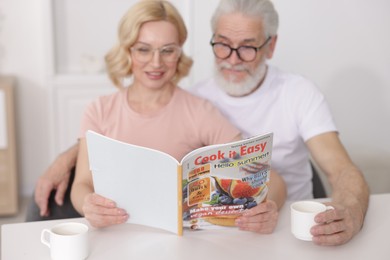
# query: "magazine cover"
221,182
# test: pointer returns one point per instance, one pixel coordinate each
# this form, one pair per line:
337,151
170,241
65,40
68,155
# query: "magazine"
209,188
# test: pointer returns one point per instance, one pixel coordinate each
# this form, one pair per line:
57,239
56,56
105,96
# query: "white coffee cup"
67,241
302,217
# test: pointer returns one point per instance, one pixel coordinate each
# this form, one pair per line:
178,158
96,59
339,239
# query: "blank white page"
143,181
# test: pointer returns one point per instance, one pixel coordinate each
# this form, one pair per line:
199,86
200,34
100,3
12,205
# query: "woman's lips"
155,75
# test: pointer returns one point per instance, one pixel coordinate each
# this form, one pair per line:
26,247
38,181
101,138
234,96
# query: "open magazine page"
143,181
220,182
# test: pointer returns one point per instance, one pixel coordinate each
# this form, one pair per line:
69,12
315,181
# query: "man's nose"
234,58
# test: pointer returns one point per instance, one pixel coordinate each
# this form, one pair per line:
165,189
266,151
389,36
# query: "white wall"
22,55
342,45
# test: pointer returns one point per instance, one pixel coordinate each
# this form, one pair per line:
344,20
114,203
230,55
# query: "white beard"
245,87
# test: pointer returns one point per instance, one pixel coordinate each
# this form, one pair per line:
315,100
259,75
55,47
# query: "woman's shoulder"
110,98
188,97
105,103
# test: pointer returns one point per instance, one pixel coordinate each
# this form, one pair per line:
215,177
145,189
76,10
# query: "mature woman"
152,111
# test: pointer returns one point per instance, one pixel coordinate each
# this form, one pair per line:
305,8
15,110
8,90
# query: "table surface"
128,241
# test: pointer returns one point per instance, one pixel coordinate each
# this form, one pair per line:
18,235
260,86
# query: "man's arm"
350,193
277,189
56,178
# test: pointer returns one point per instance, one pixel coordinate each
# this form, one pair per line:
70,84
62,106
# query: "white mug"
67,241
302,217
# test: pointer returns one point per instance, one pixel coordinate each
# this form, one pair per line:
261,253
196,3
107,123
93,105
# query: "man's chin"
234,76
243,85
234,88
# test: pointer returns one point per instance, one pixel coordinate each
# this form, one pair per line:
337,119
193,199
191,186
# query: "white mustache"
239,67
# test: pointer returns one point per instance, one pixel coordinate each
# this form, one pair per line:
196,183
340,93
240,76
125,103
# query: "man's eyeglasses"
144,53
245,53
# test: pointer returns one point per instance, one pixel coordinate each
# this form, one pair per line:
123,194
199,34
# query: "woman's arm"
82,184
99,211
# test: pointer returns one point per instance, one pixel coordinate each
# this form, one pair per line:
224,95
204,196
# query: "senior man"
259,98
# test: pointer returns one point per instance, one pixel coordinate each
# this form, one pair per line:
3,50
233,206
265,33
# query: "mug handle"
43,238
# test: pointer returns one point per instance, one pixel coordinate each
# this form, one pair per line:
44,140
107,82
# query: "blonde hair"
118,59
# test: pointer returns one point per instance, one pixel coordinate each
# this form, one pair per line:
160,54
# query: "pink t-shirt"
187,122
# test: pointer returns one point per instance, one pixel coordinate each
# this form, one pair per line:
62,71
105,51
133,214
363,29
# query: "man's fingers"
261,219
60,193
331,240
254,167
44,212
42,198
261,208
263,228
330,215
263,223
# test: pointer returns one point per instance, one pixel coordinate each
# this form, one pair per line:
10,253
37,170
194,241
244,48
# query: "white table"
127,241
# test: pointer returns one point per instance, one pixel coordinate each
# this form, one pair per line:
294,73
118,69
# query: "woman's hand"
102,212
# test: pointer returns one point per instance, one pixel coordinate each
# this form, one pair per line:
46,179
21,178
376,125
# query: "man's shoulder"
286,76
290,81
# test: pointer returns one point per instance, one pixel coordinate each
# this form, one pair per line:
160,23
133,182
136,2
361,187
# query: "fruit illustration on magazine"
217,199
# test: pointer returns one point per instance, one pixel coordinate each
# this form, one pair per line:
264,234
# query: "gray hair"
255,8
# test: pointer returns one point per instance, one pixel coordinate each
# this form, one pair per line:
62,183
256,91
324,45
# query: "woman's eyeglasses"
144,53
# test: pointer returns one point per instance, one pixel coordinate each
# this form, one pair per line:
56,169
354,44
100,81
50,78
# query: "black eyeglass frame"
236,49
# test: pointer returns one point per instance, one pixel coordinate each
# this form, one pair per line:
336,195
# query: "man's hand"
261,219
102,212
338,226
54,178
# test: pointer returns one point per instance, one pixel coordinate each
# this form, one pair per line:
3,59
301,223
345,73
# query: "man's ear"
271,46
